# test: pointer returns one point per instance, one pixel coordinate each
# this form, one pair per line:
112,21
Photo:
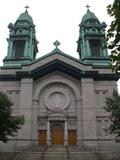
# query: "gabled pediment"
56,61
62,57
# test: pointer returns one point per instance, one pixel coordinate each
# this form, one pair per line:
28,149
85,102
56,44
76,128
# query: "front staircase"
56,153
52,153
69,153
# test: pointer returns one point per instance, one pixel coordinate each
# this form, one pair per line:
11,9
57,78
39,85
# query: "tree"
113,107
9,124
113,34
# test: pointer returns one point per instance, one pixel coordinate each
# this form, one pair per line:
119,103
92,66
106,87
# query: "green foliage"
113,34
113,107
8,124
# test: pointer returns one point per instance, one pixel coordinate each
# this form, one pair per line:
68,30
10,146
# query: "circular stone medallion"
57,100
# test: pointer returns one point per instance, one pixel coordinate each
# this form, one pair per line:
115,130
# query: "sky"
54,20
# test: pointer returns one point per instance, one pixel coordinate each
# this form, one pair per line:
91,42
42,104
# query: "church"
62,98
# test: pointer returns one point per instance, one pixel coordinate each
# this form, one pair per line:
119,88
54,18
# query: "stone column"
83,41
79,122
88,48
89,112
65,134
105,52
34,120
48,133
26,51
31,45
26,92
10,49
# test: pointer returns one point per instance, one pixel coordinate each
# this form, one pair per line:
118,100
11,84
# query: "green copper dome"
25,17
89,16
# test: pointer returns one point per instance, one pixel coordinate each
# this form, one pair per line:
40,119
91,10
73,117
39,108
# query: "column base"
48,142
65,142
91,145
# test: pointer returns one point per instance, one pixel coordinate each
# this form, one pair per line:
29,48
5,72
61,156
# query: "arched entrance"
57,134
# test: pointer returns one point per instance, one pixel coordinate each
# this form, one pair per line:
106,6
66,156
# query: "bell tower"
22,42
91,40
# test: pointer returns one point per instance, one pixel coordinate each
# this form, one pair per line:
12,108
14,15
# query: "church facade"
61,97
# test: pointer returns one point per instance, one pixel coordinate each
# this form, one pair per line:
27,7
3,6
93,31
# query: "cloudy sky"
54,20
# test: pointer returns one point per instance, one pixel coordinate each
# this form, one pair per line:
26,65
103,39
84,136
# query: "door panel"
42,137
72,137
57,135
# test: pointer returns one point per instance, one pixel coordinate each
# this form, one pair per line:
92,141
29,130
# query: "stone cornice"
57,65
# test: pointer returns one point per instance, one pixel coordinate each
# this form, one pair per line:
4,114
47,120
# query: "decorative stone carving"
41,122
56,100
72,123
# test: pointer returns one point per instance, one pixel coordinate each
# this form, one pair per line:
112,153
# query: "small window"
106,121
92,22
19,48
104,95
99,127
95,48
20,31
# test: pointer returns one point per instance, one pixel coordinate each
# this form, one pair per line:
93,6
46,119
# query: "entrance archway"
57,134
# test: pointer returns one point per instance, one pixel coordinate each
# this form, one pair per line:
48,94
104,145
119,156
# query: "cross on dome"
27,7
87,6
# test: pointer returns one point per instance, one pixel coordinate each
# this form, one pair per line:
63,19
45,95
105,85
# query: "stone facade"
73,102
61,98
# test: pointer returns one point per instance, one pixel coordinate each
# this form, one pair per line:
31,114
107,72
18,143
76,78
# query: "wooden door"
72,137
57,135
42,137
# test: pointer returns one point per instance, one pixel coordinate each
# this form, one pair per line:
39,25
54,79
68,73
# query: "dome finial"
87,6
27,7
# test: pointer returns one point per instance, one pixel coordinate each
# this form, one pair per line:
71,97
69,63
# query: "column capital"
87,80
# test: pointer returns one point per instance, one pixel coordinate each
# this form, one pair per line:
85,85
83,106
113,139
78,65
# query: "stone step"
54,153
55,156
83,156
36,148
5,156
28,156
76,149
72,153
52,156
56,149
